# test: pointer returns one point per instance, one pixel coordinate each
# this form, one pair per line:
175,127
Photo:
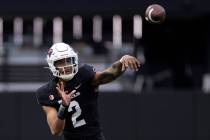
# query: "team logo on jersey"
78,86
94,69
51,97
50,51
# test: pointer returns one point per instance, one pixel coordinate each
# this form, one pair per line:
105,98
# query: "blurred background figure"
167,99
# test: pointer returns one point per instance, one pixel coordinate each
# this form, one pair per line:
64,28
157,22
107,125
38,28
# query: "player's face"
65,66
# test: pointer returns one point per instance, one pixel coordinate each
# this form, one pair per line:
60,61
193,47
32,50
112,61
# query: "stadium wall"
161,115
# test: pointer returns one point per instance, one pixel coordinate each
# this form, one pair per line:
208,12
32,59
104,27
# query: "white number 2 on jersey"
76,114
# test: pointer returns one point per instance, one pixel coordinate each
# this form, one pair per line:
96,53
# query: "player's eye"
60,63
70,60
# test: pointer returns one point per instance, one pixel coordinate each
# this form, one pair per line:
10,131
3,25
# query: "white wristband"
62,112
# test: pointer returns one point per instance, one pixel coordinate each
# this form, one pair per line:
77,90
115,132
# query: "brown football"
155,13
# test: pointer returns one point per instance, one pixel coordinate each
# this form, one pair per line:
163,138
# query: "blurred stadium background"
168,99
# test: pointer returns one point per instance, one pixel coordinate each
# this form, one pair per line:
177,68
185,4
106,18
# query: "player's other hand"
131,62
65,95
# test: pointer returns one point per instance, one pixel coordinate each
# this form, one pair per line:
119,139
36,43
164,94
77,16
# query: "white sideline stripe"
20,87
32,87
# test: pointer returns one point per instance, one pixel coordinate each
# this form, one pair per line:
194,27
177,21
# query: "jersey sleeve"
44,98
88,72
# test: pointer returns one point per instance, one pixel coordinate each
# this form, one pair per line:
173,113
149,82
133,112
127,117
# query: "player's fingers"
72,93
59,91
135,66
126,64
131,65
58,85
62,85
138,63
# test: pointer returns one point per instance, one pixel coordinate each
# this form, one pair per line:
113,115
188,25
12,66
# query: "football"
155,13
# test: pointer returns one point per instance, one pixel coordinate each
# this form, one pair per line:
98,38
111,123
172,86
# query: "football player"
69,100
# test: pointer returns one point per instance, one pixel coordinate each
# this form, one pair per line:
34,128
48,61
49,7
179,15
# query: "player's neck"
61,80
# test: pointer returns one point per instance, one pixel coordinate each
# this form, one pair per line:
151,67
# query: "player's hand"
131,62
65,95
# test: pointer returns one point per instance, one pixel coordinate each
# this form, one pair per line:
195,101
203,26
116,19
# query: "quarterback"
69,100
